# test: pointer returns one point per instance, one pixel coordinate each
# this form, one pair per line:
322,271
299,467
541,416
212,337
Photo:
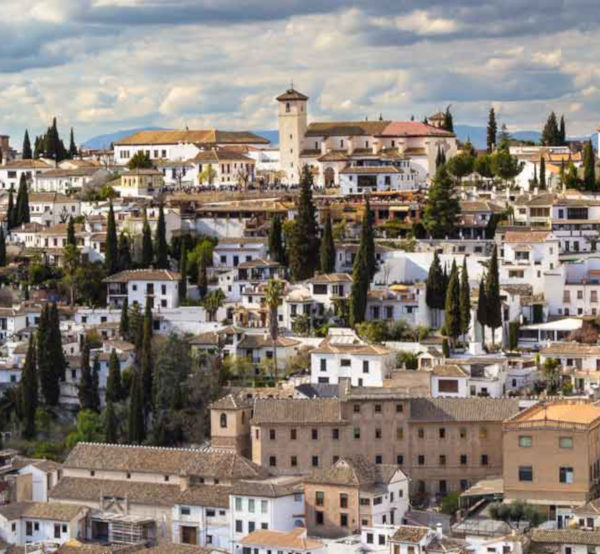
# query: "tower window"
223,421
287,107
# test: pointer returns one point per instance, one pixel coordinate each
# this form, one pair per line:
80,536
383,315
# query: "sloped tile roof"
462,409
291,410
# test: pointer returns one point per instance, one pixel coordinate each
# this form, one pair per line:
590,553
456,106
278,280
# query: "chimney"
439,533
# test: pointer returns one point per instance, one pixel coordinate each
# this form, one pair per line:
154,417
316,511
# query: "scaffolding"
127,529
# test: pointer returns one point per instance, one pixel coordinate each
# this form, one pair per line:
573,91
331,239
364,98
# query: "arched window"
287,107
223,421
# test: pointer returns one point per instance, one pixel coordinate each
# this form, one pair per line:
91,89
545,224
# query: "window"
365,366
343,520
365,502
319,519
315,461
293,434
251,526
378,433
381,539
377,500
399,459
399,433
343,500
483,433
448,385
315,434
369,538
484,460
525,473
166,478
463,433
442,460
565,442
335,434
378,459
442,433
421,460
525,441
345,363
272,434
210,513
421,433
463,459
128,475
264,525
377,408
293,461
223,421
399,408
356,408
323,364
238,504
357,432
565,475
272,461
319,498
251,505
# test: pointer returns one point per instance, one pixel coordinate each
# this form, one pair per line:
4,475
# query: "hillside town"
369,337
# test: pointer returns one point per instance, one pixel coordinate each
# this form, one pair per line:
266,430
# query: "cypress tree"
72,146
183,271
551,132
49,372
481,308
162,248
448,120
124,322
27,154
147,248
146,362
492,131
111,424
276,249
136,428
440,158
86,383
71,239
465,299
22,207
2,248
327,253
542,172
562,133
305,241
38,149
111,252
114,391
10,212
202,279
442,207
589,167
360,278
95,390
435,290
123,252
55,344
452,315
492,295
369,240
29,392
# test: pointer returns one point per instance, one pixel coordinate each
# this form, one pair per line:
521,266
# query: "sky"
105,65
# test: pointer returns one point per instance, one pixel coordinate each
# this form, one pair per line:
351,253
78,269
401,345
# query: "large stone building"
442,444
329,148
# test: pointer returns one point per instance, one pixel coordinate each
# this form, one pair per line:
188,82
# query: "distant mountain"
478,135
271,136
104,141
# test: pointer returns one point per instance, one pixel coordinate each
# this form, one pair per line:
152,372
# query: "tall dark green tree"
327,253
435,290
110,424
147,247
71,239
551,132
124,252
492,131
27,153
589,168
114,392
22,207
124,322
29,392
111,253
452,323
448,120
55,346
2,248
442,206
361,278
95,391
440,158
136,421
146,357
162,248
562,132
183,271
72,146
86,382
52,145
49,372
369,239
482,308
492,295
542,172
276,248
11,213
305,239
465,299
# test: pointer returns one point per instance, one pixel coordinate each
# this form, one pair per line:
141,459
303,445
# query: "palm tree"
212,302
273,298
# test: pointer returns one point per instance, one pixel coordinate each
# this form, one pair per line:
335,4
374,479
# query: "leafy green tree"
136,422
452,313
2,248
542,173
124,322
483,165
492,295
373,331
327,253
183,260
273,298
450,503
276,248
212,302
589,168
442,206
89,284
505,166
140,160
208,175
460,165
114,392
110,424
304,239
434,289
551,132
88,428
111,259
162,248
147,247
27,154
492,131
124,260
465,299
29,392
172,368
